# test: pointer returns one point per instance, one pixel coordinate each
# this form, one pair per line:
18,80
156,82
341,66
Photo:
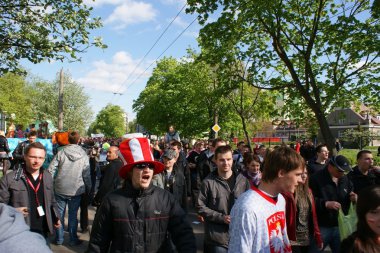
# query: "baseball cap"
169,153
341,163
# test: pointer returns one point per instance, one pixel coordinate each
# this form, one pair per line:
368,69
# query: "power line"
163,52
155,43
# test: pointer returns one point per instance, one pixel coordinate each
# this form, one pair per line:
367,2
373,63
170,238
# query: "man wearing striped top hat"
139,216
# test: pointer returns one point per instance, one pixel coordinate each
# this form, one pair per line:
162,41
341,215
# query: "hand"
57,224
201,219
23,210
333,205
353,197
227,219
320,247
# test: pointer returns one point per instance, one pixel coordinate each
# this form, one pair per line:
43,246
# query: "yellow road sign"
216,128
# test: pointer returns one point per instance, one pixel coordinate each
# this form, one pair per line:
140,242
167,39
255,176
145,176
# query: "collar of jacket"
216,175
138,193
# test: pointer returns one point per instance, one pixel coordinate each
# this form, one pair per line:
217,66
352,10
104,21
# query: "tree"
359,137
252,105
16,98
76,108
184,93
132,125
41,30
110,121
326,50
173,97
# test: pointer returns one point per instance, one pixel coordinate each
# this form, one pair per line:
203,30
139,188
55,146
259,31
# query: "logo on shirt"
157,212
278,239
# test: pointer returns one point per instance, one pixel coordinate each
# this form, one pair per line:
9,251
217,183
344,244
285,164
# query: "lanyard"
35,189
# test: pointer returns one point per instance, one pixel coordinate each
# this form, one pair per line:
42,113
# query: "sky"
119,73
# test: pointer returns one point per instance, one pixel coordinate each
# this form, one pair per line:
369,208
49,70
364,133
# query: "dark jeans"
194,187
84,202
330,237
93,174
209,248
300,249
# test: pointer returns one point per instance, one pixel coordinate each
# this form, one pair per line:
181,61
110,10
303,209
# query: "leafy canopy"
110,121
321,52
77,112
16,98
41,30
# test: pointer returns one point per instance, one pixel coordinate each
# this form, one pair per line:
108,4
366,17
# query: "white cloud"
131,12
102,2
112,77
180,22
173,2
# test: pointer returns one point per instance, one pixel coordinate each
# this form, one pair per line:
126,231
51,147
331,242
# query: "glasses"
142,166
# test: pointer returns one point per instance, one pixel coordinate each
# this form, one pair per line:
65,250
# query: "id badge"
40,211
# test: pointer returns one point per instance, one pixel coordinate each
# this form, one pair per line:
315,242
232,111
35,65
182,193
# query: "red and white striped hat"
134,151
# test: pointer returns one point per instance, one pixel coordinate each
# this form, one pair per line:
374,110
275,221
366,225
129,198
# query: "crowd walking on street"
263,200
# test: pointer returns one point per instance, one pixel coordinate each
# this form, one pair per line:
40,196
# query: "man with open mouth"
139,216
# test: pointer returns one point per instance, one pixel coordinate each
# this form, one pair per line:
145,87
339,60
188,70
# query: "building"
341,119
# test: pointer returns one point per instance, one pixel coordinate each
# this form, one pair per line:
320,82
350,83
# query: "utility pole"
60,102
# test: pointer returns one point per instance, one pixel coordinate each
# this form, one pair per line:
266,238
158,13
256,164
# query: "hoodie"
15,235
70,169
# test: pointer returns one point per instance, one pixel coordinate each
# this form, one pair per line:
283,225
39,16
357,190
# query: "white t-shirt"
258,224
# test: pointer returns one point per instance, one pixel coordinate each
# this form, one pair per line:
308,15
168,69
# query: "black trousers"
84,202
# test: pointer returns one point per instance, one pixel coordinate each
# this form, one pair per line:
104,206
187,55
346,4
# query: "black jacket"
14,191
181,164
324,189
131,220
18,153
313,166
361,181
177,186
110,181
4,145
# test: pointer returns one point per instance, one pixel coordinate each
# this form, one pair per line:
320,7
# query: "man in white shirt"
258,216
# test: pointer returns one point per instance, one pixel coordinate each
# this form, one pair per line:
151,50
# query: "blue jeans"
73,203
330,237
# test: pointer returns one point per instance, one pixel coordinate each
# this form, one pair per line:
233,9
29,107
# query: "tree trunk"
326,132
246,132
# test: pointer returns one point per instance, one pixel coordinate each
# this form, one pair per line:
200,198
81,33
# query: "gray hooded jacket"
70,169
15,235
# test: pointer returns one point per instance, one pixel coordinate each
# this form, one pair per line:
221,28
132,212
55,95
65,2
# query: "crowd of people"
281,199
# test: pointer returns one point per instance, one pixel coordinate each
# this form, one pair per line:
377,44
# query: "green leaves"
16,97
38,100
43,29
316,51
110,121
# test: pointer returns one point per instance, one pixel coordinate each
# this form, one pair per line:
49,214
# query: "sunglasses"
142,166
